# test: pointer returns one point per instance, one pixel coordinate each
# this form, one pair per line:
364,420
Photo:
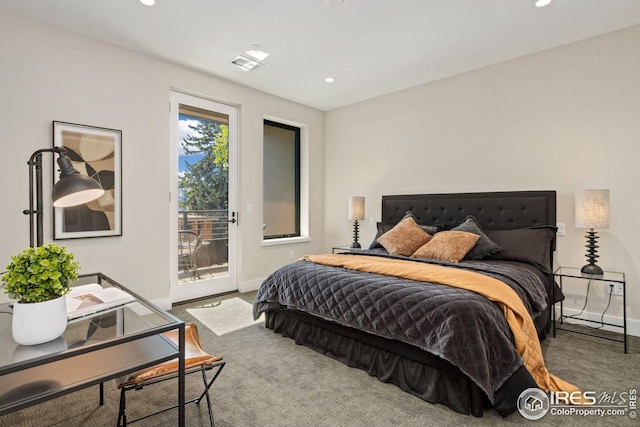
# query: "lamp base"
355,244
592,270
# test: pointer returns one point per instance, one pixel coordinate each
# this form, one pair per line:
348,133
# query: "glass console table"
93,349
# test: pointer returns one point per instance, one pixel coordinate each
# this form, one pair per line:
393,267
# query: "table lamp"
356,213
592,212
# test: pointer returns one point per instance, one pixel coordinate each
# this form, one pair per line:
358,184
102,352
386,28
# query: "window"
281,180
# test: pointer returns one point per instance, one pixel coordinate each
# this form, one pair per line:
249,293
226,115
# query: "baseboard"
250,285
633,326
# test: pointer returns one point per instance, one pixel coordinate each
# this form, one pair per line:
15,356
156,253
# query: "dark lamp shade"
73,188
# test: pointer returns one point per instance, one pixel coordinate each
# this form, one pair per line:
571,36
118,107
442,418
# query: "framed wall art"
94,152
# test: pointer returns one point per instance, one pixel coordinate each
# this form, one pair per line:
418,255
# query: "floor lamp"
72,189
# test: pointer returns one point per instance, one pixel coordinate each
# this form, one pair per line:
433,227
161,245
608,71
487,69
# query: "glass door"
203,227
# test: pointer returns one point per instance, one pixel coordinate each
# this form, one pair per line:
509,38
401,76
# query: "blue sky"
183,158
183,131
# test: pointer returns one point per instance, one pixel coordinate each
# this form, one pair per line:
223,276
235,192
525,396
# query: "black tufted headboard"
501,210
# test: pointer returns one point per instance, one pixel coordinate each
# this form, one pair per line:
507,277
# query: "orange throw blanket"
520,322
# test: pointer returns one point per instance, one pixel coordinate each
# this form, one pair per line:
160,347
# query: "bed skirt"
412,370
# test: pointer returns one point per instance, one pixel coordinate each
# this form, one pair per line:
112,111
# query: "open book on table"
88,299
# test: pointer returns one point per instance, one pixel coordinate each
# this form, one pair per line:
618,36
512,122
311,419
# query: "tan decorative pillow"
404,238
449,246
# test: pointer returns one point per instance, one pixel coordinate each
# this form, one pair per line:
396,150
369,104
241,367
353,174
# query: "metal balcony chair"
196,360
189,245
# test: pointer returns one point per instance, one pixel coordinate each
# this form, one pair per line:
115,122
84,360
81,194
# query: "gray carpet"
270,381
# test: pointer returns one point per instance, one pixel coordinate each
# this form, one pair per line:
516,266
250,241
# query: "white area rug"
225,316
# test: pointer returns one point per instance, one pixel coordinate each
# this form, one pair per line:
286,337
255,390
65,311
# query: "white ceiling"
371,47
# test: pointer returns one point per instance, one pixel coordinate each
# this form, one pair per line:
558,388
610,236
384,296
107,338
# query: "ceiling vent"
246,64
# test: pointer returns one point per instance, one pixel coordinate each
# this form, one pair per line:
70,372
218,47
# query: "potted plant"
39,278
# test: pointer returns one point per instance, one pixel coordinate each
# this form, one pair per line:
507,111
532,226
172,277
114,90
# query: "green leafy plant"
40,274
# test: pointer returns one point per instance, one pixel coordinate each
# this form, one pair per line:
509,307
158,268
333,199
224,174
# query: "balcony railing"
208,224
213,228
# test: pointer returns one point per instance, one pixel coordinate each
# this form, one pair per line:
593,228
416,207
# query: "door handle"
233,219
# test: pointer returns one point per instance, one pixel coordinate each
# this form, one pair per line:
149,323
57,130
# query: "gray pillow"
485,245
531,245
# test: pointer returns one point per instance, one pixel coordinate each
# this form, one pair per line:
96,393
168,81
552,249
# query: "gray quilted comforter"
457,325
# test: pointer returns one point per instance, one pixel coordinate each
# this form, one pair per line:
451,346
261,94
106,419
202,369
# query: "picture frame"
95,152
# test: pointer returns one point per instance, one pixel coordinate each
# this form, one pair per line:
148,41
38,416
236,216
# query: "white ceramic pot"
39,322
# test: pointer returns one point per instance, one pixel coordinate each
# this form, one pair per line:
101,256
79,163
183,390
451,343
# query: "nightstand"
604,280
343,248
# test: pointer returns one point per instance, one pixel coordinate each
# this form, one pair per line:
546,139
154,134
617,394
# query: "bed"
441,343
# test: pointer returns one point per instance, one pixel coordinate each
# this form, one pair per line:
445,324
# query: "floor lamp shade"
592,212
72,189
356,213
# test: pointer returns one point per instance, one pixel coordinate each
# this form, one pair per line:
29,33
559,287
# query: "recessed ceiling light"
246,64
148,2
542,3
329,79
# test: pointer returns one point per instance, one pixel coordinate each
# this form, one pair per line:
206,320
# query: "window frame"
297,131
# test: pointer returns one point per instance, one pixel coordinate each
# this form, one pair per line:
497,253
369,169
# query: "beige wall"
565,119
47,74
